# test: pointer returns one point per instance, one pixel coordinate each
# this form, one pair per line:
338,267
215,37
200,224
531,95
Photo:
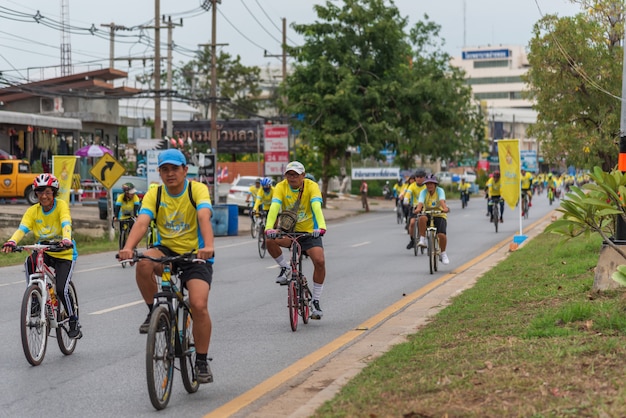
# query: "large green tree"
238,86
575,79
361,80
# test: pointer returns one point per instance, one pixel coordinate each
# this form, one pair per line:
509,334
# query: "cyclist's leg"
422,224
197,278
63,272
30,265
274,248
441,224
501,208
315,250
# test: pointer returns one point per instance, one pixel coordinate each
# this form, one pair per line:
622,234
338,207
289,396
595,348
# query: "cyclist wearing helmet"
410,198
263,199
492,189
433,198
253,191
50,220
127,203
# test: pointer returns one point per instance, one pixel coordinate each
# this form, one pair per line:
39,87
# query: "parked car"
140,183
444,177
239,191
469,176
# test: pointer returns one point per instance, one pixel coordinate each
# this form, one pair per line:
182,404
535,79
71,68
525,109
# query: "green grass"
529,339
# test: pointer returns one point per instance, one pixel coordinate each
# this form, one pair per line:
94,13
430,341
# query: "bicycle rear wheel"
293,304
188,354
432,254
416,240
67,344
437,251
261,242
34,325
496,215
305,300
160,358
525,207
253,227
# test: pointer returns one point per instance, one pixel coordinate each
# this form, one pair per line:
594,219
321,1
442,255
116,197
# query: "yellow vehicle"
16,181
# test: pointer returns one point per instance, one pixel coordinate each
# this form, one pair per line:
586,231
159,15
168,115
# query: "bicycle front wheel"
34,325
67,344
160,358
293,304
496,215
188,354
432,254
261,243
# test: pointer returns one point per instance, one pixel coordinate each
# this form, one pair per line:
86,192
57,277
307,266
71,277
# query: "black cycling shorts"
188,271
440,223
310,242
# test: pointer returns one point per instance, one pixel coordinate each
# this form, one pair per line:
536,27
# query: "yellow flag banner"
63,169
509,155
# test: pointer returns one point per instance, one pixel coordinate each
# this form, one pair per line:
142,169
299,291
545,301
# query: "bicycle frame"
432,239
299,294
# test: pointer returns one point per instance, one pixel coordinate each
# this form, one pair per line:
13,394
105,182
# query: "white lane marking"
361,244
115,308
12,283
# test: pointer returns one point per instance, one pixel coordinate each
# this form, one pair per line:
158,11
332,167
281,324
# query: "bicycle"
41,310
495,210
550,195
432,240
261,234
125,226
170,333
464,198
399,212
253,222
298,294
525,205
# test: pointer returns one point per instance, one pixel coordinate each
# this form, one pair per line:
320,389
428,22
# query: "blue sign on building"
486,54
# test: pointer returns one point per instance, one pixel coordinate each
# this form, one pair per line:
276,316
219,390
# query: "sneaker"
501,220
316,311
74,331
203,372
444,258
283,276
143,328
411,244
530,204
422,242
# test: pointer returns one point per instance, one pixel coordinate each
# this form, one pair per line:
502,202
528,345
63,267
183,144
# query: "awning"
32,119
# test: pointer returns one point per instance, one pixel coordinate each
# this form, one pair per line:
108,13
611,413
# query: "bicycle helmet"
496,173
420,173
129,188
431,179
46,180
266,182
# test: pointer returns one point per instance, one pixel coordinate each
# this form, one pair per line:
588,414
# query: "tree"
238,86
575,81
358,82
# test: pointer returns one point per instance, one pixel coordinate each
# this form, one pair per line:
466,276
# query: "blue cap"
172,156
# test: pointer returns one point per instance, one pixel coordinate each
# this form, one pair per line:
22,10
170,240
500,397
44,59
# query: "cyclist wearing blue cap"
183,221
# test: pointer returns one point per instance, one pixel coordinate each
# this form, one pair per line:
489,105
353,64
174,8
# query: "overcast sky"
249,27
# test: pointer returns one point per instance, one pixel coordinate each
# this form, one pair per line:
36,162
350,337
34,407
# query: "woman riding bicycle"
50,220
433,198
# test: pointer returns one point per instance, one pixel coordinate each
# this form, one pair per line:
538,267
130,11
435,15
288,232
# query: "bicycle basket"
286,221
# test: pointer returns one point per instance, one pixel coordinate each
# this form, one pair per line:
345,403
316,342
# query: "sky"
249,28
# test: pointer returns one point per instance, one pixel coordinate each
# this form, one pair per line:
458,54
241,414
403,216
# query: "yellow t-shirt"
54,225
127,208
526,180
310,217
177,219
493,187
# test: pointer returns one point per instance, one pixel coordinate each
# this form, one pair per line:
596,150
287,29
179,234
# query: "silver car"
239,191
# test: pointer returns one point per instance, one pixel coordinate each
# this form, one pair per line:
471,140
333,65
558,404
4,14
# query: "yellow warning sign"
107,170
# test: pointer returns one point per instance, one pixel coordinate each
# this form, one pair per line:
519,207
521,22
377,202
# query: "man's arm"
206,230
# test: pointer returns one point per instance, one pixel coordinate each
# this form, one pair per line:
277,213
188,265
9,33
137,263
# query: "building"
495,76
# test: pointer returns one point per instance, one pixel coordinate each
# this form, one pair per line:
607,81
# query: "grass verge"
529,339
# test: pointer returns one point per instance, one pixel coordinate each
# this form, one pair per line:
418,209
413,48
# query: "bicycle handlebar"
187,257
52,246
433,212
293,235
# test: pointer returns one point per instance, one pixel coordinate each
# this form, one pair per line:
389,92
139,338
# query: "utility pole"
620,229
284,59
113,27
213,93
157,69
170,46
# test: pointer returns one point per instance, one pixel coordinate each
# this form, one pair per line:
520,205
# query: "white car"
239,191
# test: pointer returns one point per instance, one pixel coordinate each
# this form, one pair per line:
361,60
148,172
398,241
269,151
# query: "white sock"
317,290
281,261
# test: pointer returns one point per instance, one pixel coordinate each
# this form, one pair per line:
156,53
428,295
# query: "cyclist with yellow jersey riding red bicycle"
50,220
263,198
297,190
182,210
433,198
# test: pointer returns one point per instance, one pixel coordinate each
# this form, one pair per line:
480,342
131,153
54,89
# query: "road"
368,269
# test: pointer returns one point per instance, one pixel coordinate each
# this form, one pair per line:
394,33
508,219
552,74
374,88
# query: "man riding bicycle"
263,198
50,220
182,210
309,218
526,180
433,198
492,191
127,203
410,197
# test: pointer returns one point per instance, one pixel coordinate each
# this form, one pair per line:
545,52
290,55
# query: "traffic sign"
107,170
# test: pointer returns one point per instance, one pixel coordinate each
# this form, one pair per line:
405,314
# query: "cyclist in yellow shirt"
492,188
127,203
263,198
433,197
527,181
411,195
